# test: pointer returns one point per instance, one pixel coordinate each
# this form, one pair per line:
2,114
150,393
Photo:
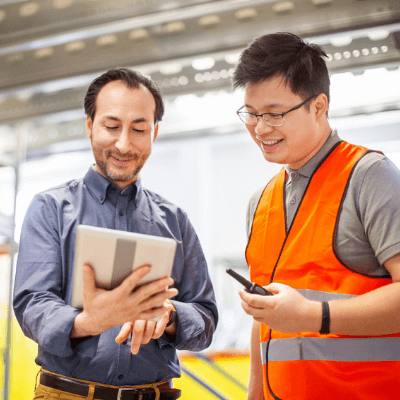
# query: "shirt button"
297,176
121,213
120,377
101,198
292,200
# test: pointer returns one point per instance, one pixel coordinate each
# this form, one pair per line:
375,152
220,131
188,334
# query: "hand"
286,311
104,309
144,330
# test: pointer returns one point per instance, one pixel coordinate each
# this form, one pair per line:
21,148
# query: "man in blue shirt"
112,343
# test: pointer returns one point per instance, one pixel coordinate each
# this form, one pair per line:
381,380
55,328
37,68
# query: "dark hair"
132,79
300,63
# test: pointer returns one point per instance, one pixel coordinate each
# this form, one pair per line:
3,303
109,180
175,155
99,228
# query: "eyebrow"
272,105
135,121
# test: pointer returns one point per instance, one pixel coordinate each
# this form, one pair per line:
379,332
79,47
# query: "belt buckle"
136,391
120,390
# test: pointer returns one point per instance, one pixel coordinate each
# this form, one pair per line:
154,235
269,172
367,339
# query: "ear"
321,105
89,126
155,132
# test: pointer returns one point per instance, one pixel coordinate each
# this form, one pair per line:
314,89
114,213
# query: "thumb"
89,280
275,287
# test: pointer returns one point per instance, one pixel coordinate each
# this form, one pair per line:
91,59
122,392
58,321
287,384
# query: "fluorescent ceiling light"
201,64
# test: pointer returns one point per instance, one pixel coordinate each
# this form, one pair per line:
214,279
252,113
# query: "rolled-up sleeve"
38,296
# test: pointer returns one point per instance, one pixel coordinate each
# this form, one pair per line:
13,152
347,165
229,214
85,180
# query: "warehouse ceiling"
50,50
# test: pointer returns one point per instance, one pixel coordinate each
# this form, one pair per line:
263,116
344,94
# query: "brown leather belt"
106,393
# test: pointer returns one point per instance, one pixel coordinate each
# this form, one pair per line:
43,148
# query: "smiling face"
304,131
122,131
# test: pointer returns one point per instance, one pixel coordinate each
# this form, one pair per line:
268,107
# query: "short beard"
114,176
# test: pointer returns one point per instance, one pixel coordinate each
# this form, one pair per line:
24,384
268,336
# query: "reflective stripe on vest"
317,295
313,348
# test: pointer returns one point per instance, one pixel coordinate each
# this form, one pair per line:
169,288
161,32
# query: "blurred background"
203,160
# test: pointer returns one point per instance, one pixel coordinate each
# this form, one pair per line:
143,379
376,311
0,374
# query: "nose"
262,127
123,143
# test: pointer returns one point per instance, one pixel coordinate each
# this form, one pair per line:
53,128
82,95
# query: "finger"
254,300
137,333
161,325
133,279
89,280
145,302
124,332
150,289
275,288
148,332
153,313
255,312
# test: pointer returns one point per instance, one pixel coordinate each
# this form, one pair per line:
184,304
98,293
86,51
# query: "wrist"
313,317
172,323
82,327
326,319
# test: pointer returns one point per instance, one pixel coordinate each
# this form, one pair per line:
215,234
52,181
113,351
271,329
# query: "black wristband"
326,319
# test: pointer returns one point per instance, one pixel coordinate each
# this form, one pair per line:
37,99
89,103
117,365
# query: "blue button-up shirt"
43,283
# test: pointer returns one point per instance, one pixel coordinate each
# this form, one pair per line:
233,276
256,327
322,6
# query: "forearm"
47,323
255,391
373,313
80,328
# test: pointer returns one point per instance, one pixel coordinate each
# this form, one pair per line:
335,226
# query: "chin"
274,159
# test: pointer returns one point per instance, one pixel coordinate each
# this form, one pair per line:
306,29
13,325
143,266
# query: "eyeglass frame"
238,112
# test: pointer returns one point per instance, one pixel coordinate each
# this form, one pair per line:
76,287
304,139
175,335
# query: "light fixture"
341,41
209,20
224,74
283,7
321,2
183,80
138,34
232,58
198,77
174,27
29,9
170,68
3,15
246,13
61,4
107,40
44,52
207,76
378,35
201,64
75,46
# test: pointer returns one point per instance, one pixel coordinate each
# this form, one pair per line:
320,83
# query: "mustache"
127,156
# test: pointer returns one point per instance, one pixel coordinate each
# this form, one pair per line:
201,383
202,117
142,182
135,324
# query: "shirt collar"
308,168
100,185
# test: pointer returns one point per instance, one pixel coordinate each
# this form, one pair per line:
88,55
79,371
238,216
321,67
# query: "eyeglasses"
271,119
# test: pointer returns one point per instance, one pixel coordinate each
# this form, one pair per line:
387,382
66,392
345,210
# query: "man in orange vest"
323,238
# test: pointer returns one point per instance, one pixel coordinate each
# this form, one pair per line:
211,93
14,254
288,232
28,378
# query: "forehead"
119,100
274,90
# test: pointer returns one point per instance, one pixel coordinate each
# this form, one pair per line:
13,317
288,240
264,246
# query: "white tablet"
114,254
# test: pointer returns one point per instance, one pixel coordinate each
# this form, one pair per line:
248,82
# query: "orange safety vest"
308,365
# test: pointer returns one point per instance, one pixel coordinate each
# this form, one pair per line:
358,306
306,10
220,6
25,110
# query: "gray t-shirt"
369,225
